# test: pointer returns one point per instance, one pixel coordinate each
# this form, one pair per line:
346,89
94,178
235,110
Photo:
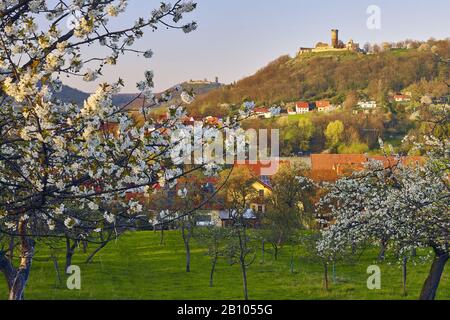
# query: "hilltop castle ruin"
336,45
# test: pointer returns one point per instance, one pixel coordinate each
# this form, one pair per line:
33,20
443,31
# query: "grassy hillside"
333,75
138,267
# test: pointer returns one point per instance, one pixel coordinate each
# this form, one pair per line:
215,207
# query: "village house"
302,107
263,188
261,184
212,121
324,106
268,115
324,168
262,112
214,212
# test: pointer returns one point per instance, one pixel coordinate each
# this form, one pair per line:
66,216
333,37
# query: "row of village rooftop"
323,106
320,168
302,107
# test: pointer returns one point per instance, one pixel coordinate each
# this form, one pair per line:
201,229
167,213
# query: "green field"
137,267
296,117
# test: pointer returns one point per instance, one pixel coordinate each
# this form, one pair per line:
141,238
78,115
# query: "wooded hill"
333,75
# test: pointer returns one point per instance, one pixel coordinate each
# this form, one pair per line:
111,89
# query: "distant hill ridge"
69,94
199,87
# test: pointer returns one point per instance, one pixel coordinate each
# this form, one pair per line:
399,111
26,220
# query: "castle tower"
335,38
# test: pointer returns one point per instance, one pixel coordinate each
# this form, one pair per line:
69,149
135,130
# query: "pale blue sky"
237,37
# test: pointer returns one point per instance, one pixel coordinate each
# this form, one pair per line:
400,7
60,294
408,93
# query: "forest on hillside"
334,76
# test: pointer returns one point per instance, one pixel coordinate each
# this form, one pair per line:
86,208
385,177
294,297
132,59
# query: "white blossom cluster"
54,45
406,206
66,167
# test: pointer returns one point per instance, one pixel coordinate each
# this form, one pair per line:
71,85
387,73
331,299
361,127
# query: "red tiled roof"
328,167
329,161
302,105
196,179
258,167
212,120
322,104
324,175
261,110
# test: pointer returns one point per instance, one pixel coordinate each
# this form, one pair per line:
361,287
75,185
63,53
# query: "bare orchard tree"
178,206
117,223
238,194
215,239
288,206
192,193
60,162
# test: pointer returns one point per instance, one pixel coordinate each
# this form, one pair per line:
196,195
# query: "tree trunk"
244,279
263,250
186,233
188,256
242,254
69,256
292,263
85,247
325,276
162,236
213,269
56,266
382,254
92,255
70,250
275,252
405,274
7,269
334,273
12,245
20,279
434,277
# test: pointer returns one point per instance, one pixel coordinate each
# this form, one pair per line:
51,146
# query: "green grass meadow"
137,267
